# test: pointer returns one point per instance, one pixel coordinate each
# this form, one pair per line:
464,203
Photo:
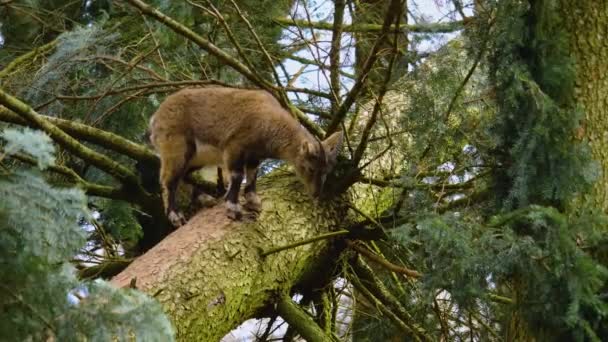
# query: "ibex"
234,129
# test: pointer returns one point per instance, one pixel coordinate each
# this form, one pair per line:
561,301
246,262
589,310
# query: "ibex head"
315,160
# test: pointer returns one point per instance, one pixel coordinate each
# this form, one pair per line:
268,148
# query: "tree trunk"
586,22
209,274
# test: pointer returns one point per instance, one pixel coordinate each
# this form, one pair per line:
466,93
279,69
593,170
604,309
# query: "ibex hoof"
253,203
176,219
233,211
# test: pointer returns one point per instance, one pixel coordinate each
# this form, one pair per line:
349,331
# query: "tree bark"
586,22
209,274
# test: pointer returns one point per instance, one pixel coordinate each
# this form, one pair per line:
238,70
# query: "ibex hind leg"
233,209
175,152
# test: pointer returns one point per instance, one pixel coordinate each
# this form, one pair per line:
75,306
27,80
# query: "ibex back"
235,129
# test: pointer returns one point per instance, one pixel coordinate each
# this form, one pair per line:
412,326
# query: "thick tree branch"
90,134
301,321
123,174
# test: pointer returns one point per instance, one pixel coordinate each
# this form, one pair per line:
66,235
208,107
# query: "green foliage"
40,232
31,142
537,246
120,222
534,78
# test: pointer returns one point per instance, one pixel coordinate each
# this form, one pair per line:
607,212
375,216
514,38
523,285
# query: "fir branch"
356,28
398,322
201,42
120,172
29,307
379,290
300,320
259,43
90,189
147,86
315,63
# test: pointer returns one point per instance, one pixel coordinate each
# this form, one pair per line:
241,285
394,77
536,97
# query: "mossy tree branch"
89,188
90,134
120,172
301,321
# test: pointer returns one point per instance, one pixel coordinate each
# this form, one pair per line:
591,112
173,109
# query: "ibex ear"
332,146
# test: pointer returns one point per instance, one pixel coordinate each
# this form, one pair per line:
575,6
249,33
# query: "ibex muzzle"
235,129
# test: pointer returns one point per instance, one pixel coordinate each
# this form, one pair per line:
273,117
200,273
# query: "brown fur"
235,129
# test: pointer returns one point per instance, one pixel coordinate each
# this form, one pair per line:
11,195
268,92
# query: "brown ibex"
234,129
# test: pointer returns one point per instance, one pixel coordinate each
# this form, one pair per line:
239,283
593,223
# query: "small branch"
201,42
378,105
172,84
33,310
392,9
334,54
308,91
466,78
91,189
300,320
258,42
383,262
379,290
303,242
320,65
15,63
418,28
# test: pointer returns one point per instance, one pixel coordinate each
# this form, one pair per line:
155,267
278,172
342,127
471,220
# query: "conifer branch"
201,42
300,320
89,188
356,28
120,172
379,290
375,302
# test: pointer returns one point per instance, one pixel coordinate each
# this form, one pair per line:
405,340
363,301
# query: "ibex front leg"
233,209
